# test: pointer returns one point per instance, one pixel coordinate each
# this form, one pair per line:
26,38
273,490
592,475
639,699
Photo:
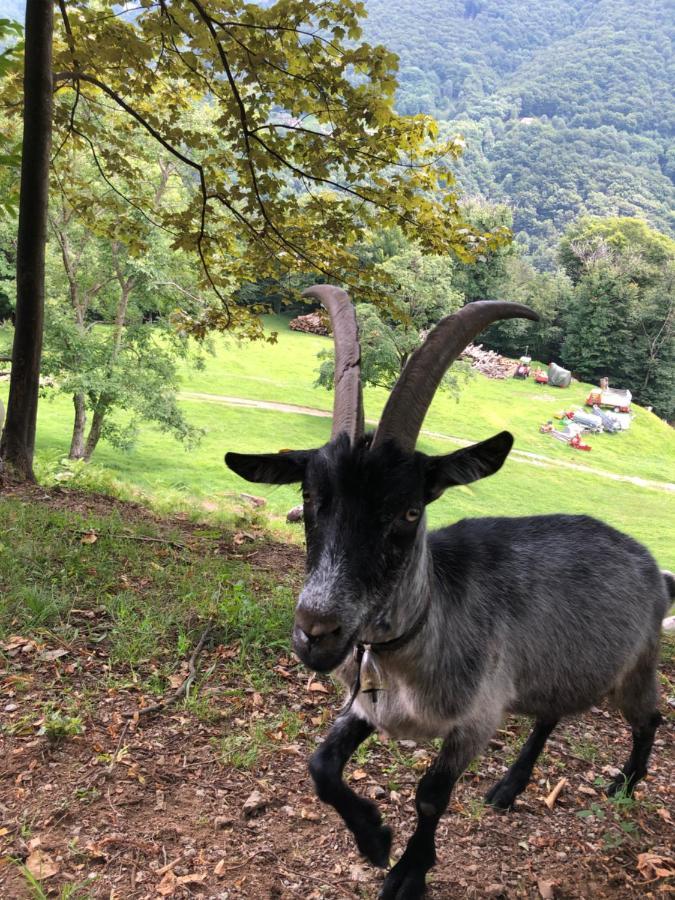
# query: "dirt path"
522,456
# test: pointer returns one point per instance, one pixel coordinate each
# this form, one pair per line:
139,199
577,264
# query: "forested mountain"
567,105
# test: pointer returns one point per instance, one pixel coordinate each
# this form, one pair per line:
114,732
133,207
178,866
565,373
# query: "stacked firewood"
488,362
312,323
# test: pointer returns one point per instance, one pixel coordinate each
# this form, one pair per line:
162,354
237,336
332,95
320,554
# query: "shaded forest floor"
101,605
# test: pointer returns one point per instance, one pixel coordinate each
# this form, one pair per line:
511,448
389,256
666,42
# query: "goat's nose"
316,624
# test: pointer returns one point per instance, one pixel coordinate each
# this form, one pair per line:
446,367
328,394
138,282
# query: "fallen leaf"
317,688
194,878
585,789
651,866
51,655
89,537
41,865
168,884
219,868
310,815
546,889
359,775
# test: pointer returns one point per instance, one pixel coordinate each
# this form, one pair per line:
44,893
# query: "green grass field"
172,477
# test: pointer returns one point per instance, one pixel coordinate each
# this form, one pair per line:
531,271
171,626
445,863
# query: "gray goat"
442,634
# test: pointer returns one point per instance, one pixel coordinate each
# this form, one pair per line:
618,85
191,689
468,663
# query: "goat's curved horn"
413,392
348,400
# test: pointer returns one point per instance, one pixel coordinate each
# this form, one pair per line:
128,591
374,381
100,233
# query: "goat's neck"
411,595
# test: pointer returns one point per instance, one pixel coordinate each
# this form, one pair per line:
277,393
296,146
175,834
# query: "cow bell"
371,674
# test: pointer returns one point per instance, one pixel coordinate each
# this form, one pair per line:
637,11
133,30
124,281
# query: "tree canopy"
278,118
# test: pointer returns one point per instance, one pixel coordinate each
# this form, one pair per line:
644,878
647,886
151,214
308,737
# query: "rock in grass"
255,804
295,514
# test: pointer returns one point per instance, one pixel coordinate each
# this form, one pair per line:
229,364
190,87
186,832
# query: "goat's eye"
412,514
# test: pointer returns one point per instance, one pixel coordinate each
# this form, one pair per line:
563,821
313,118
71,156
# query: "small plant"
242,750
615,814
65,892
362,753
584,748
87,794
474,809
290,723
111,759
201,706
58,727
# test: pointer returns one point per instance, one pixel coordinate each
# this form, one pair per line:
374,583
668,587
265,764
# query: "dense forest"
566,106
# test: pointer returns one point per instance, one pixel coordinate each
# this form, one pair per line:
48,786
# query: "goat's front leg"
406,881
361,816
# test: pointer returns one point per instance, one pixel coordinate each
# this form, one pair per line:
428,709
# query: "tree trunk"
103,403
77,448
95,430
18,438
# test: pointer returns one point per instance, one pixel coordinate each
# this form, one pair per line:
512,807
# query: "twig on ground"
135,537
170,865
182,690
555,793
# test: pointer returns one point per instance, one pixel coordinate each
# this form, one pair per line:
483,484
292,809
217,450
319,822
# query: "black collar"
385,647
400,641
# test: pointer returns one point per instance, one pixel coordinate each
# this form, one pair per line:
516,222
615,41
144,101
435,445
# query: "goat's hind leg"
502,796
361,816
637,699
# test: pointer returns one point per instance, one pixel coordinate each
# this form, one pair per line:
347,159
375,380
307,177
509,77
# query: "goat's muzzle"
319,640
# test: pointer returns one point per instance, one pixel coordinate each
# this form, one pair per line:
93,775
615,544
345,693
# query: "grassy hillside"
175,477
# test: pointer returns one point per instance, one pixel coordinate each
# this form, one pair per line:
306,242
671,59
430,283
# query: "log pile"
488,362
312,323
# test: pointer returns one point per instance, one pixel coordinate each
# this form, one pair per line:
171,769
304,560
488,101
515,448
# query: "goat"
441,634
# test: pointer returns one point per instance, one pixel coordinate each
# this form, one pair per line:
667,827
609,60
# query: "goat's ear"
285,467
466,465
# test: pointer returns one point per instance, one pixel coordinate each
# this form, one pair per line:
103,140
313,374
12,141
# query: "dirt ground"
163,806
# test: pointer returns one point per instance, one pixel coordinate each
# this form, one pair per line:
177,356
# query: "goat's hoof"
375,844
500,797
403,883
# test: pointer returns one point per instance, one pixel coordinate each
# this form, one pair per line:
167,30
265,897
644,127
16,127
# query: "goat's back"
561,607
